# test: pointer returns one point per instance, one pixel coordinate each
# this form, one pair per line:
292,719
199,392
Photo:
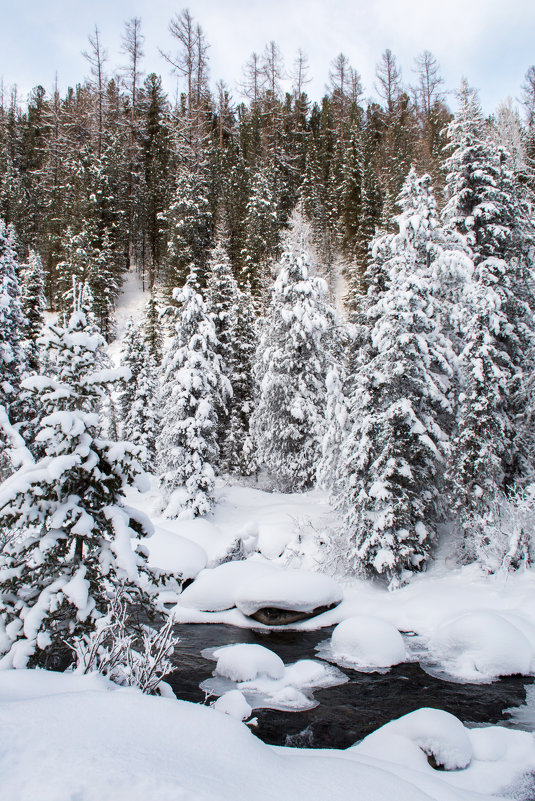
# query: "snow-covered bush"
136,659
502,537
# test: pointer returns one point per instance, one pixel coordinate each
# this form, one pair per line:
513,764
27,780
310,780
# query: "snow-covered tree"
189,223
393,459
291,365
12,357
478,184
260,233
73,546
488,202
484,432
139,398
33,305
234,320
12,360
194,388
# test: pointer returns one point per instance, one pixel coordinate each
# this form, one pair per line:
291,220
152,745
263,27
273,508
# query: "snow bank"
364,642
436,733
298,590
88,743
480,646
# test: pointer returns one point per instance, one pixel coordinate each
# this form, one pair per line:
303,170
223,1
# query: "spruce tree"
73,551
33,304
12,357
290,369
193,391
389,480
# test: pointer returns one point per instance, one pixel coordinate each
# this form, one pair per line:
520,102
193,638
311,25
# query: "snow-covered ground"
72,738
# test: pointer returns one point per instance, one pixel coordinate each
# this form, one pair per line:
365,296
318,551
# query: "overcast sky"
491,42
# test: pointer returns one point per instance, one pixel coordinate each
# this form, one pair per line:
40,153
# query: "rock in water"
287,596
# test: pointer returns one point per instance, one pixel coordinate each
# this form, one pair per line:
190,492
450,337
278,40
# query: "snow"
298,590
480,646
83,740
435,732
264,680
366,643
247,661
180,555
214,590
233,703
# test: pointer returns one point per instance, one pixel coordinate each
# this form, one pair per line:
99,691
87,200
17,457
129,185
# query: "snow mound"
367,642
246,661
297,590
214,590
176,554
290,689
480,646
436,733
233,703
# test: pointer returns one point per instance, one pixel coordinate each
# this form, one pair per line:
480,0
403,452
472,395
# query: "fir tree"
260,233
138,400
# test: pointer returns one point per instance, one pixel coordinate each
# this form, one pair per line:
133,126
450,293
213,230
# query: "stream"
348,712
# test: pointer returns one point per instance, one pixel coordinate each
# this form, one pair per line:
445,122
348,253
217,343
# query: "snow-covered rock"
233,703
480,646
177,554
289,689
295,591
438,734
367,642
246,661
214,590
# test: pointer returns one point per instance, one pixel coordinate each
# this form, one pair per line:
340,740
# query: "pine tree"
290,367
393,459
189,228
193,391
73,553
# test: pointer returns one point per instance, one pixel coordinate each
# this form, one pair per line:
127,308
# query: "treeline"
114,173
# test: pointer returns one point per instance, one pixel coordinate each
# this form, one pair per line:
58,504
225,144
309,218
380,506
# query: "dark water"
348,712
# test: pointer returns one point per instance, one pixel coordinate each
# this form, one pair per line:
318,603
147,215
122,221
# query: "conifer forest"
304,327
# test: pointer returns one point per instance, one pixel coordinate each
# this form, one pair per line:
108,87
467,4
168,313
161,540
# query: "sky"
490,42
